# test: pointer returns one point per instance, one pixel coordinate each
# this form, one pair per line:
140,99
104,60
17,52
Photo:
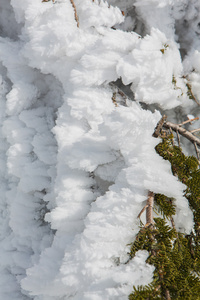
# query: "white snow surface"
75,167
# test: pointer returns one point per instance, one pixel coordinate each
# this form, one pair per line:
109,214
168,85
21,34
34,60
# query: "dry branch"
149,209
75,12
159,126
188,121
182,131
117,90
195,130
167,295
197,152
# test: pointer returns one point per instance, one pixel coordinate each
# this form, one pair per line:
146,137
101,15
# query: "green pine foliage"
175,256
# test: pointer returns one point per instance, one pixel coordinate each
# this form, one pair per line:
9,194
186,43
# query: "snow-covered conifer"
83,84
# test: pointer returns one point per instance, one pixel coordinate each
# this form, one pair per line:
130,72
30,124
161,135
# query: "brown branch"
182,131
172,135
114,99
196,149
190,93
178,138
141,212
167,295
195,130
188,121
159,126
149,209
117,90
172,221
75,12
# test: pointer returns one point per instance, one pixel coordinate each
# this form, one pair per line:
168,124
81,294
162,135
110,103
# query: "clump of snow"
157,14
152,67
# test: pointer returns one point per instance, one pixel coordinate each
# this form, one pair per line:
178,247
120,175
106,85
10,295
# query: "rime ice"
75,166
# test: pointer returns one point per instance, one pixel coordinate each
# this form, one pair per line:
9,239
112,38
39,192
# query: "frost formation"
75,167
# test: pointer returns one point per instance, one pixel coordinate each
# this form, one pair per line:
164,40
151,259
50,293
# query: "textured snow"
75,167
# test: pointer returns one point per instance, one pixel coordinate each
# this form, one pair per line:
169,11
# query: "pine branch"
75,12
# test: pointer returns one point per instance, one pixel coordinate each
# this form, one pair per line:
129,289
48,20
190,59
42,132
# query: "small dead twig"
172,222
141,212
182,131
195,130
149,209
114,99
178,138
172,135
188,121
197,152
75,12
190,93
167,295
48,1
159,126
117,90
163,123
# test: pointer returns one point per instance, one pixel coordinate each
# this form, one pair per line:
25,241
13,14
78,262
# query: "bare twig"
159,126
195,130
188,121
75,12
190,93
197,152
172,221
182,131
120,92
114,99
178,138
139,215
167,295
149,209
172,135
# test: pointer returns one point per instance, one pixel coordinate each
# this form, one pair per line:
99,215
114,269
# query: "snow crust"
75,167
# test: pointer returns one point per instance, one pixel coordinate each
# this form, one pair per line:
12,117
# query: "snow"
75,167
